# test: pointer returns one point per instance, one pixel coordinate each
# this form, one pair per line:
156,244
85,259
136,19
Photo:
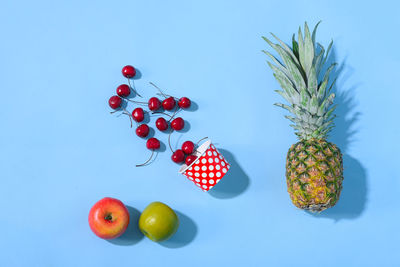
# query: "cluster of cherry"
156,106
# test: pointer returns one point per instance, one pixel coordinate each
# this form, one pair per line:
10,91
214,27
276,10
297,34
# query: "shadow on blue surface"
186,127
186,233
138,74
354,195
132,234
234,183
353,198
193,107
132,84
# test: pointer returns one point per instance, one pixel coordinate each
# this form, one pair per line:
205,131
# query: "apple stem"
108,217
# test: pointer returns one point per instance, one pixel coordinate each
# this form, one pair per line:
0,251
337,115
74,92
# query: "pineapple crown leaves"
298,73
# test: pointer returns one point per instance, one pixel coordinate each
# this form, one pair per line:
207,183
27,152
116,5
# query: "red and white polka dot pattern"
208,169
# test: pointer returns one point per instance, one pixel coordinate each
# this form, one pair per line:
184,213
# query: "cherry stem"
164,95
144,164
177,99
127,114
169,140
133,101
159,112
134,89
171,116
175,112
198,142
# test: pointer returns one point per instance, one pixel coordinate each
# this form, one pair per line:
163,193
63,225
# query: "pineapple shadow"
234,183
353,198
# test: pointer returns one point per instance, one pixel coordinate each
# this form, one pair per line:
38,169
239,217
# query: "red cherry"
168,103
123,90
138,114
178,156
115,102
128,71
188,147
178,124
190,159
184,102
161,124
142,130
153,144
154,103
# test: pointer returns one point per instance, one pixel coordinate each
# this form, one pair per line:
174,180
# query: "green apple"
158,222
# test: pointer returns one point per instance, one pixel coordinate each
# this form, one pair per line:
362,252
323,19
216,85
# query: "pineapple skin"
314,174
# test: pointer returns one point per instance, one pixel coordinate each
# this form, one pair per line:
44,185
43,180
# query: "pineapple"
314,166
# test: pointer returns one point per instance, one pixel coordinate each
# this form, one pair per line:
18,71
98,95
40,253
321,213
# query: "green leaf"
284,95
312,82
319,120
326,103
318,59
287,49
314,32
280,73
284,106
295,47
277,62
301,47
327,53
292,119
285,84
313,105
330,87
325,125
295,74
274,59
322,90
328,71
304,98
329,113
308,50
301,112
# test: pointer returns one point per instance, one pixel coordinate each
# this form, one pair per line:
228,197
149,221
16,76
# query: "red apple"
108,218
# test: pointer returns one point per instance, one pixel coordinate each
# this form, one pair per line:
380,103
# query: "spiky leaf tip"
298,72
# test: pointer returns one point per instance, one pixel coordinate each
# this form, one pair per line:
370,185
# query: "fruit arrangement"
202,164
205,166
157,107
314,166
109,219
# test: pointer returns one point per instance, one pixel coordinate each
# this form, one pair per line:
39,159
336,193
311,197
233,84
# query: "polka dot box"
208,169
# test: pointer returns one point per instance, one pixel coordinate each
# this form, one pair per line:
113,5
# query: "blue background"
61,150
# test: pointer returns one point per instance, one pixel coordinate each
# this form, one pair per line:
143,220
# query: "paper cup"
209,167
